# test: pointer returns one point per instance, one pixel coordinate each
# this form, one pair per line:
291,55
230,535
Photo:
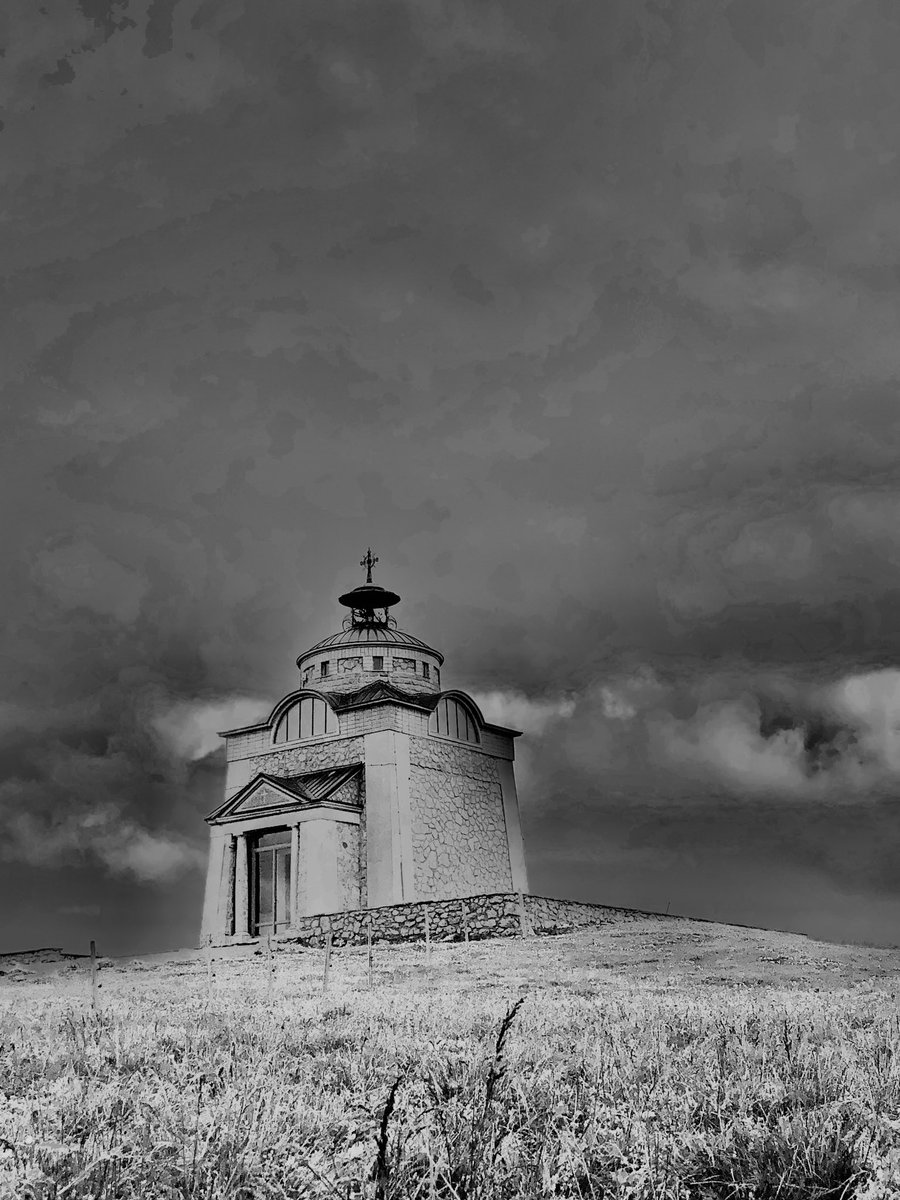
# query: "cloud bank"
585,319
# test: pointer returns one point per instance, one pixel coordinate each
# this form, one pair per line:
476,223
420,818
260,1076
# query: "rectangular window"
293,723
307,706
425,671
323,669
378,662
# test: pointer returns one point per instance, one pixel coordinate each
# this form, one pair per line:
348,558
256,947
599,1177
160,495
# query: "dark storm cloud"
584,316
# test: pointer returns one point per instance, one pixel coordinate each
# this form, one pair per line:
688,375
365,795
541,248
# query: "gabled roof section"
319,785
382,692
280,793
379,692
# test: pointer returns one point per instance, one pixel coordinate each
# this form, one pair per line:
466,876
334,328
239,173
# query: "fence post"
209,965
466,927
524,926
328,940
369,944
270,988
94,984
427,940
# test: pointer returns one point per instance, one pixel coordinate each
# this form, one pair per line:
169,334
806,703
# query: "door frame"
276,852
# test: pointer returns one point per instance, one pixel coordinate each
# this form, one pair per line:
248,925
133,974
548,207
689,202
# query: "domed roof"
369,622
376,633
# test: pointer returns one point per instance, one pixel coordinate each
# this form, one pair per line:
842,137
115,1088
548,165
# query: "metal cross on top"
368,562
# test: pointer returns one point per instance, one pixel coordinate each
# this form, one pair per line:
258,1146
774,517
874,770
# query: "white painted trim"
213,893
295,869
280,820
388,818
515,844
406,881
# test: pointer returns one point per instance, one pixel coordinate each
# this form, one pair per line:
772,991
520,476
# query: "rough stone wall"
347,850
487,916
312,756
459,832
545,914
349,792
505,914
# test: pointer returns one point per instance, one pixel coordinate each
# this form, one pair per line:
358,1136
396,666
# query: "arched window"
453,720
309,717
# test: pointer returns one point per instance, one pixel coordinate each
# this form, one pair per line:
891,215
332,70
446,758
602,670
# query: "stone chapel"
370,785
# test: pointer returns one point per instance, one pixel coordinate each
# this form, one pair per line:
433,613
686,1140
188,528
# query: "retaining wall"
547,914
502,914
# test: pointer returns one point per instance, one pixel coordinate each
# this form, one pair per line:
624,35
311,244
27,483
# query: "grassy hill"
655,1058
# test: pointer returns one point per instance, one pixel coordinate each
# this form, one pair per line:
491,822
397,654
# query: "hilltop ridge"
668,951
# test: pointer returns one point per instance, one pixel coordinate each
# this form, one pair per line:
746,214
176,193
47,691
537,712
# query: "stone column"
241,888
295,872
229,885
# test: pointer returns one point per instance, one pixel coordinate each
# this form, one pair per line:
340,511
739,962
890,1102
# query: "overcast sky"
584,315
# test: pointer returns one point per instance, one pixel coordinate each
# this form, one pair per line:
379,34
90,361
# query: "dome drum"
370,648
347,667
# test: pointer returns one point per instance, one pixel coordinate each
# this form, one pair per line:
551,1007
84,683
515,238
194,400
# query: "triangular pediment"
264,794
277,793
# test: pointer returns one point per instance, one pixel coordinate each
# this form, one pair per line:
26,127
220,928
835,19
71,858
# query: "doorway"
270,892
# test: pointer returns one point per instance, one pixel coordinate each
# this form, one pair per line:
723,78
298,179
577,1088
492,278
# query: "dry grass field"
660,1058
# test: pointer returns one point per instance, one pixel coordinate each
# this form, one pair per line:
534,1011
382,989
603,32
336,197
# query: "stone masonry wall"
505,914
488,916
459,832
357,721
546,915
330,752
351,791
352,666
